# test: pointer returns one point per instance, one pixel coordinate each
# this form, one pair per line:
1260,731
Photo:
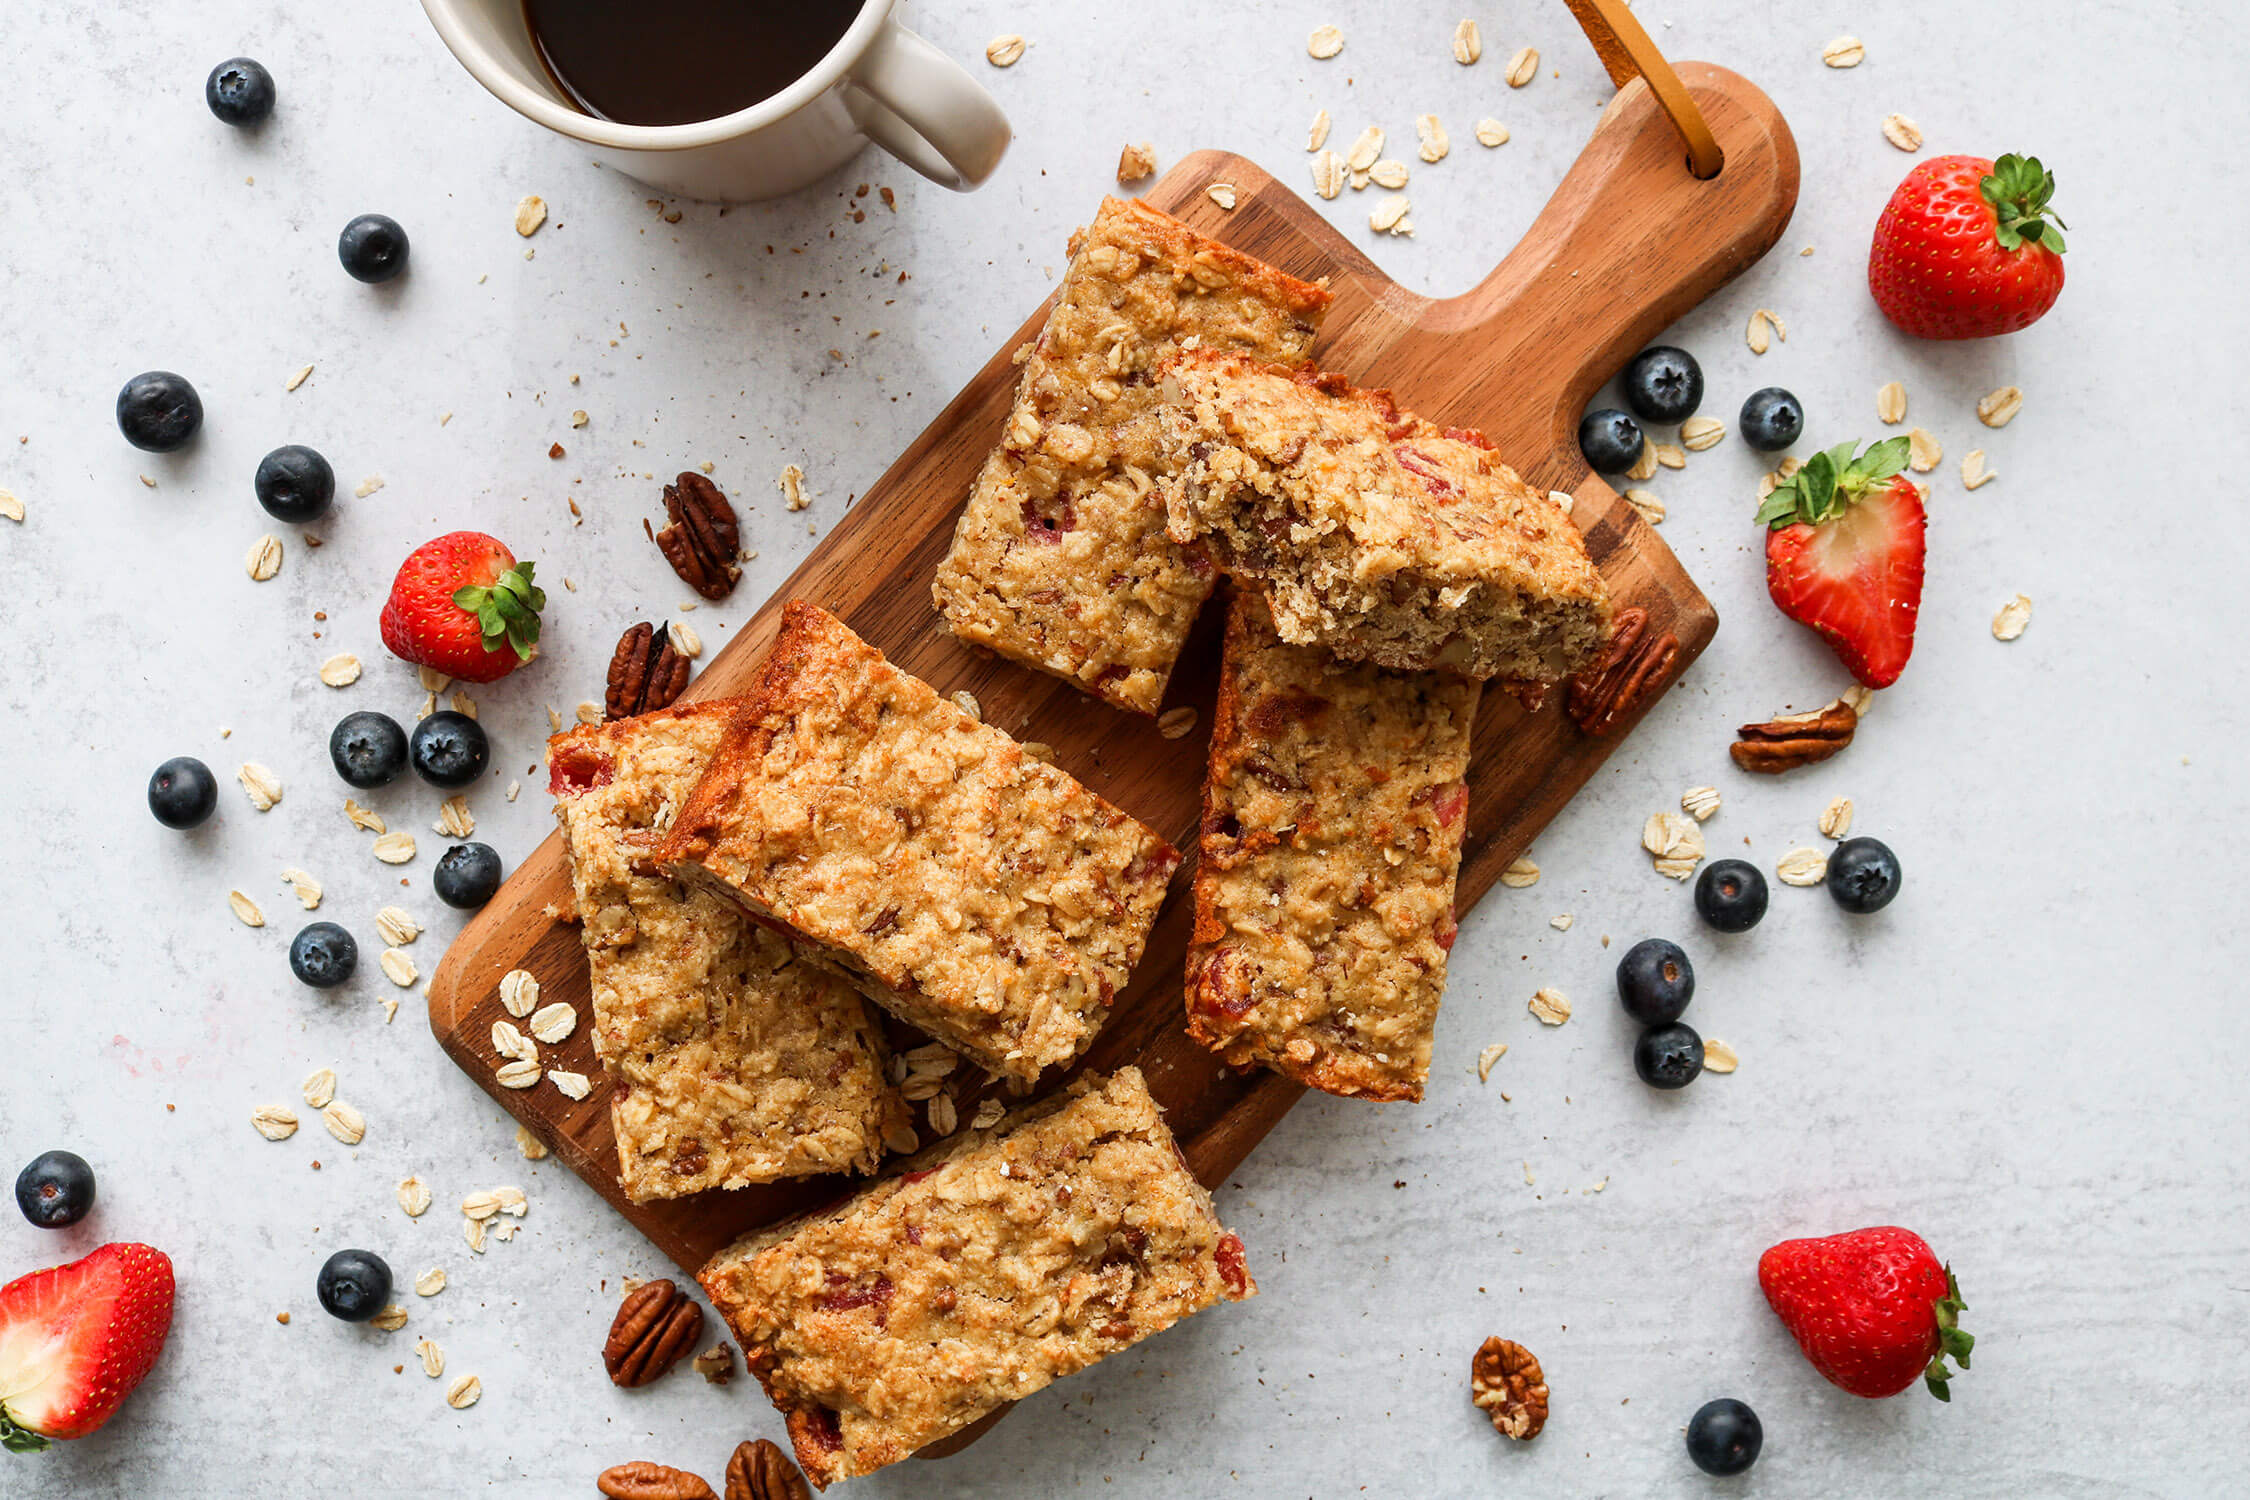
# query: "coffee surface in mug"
675,62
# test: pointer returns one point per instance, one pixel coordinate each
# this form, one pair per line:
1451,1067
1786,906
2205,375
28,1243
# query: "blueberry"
1610,439
1772,419
239,91
1655,981
1668,1057
159,411
372,248
323,955
1724,1436
450,749
368,749
1863,875
355,1285
1731,895
183,792
466,876
56,1190
1664,384
294,483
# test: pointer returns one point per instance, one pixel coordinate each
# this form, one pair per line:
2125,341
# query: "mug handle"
919,105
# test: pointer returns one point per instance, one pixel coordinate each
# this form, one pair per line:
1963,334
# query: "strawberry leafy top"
507,610
1951,1339
1830,482
17,1439
2018,189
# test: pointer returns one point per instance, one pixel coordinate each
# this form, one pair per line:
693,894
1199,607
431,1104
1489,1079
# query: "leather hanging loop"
1627,53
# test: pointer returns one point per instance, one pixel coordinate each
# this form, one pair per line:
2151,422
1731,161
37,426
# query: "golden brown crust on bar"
1373,533
973,891
735,1062
1332,822
1060,560
985,1268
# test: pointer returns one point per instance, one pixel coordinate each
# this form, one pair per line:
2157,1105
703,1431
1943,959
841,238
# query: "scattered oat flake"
1528,1179
1390,214
259,784
1521,873
431,1356
988,1115
512,1201
531,212
1644,466
394,848
588,712
1550,1007
518,1074
298,379
390,1011
792,484
1561,921
507,1041
1176,723
273,1122
1564,500
482,1204
1005,50
1328,174
264,558
514,787
531,1147
454,819
1674,841
396,926
1431,143
344,1122
1670,455
1221,193
246,909
363,817
570,1085
1844,52
1999,408
1487,1058
464,1393
390,1320
398,967
1802,867
1836,817
1523,67
1974,474
369,485
2006,625
1468,43
472,1231
414,1196
1923,451
1718,1057
555,1022
1317,136
1651,509
519,992
1902,132
1698,433
1765,326
10,506
1890,403
1700,802
1491,132
1367,150
462,703
1136,161
1388,173
319,1087
1325,42
554,720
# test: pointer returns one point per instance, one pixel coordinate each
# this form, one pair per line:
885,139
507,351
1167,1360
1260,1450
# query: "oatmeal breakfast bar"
1332,821
1373,533
735,1062
991,1265
964,886
1061,560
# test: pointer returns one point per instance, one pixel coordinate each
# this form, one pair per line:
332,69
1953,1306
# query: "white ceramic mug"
880,83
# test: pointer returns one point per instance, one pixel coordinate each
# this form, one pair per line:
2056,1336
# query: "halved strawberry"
462,605
76,1340
1844,555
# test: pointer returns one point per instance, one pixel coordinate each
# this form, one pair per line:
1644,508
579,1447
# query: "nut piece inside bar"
1060,560
986,1268
1373,533
972,891
735,1062
1332,823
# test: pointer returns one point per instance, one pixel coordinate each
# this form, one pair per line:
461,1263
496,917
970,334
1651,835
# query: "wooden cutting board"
1628,243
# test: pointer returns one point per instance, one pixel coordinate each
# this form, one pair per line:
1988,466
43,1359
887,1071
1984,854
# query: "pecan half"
1798,740
1632,668
642,1480
761,1471
1506,1381
655,1329
703,539
645,672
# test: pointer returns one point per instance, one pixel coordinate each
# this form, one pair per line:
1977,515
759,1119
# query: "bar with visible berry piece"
991,1265
1332,822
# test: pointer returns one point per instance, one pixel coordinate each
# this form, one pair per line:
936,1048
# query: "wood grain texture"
1629,241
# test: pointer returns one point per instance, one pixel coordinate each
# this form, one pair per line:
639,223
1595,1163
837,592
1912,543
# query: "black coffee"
673,62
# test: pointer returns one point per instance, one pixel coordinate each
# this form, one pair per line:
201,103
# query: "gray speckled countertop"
2035,1057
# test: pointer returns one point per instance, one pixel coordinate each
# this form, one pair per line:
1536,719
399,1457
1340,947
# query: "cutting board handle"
1627,53
1630,241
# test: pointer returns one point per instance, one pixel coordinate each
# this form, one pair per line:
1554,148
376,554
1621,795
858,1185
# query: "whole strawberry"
1872,1309
1844,555
76,1340
464,606
1968,248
